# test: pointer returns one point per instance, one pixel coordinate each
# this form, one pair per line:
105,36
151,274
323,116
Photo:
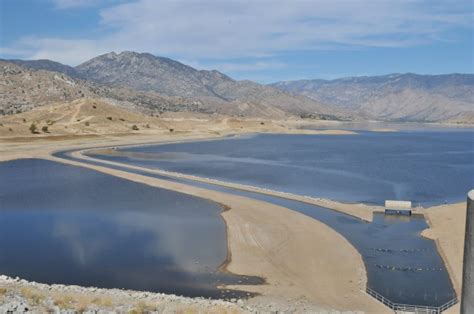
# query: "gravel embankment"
17,295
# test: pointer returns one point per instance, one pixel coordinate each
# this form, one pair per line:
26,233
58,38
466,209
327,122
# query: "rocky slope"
26,85
400,97
145,76
47,65
22,89
145,72
156,85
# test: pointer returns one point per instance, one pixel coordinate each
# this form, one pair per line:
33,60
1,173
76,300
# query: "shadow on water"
68,225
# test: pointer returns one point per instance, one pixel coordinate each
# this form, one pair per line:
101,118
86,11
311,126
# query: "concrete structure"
397,208
467,298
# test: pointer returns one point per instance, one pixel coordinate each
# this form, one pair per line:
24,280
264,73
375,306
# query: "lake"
426,167
61,224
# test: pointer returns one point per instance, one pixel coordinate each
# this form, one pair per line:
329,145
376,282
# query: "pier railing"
399,307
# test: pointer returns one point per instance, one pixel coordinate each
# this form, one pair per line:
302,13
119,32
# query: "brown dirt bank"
447,229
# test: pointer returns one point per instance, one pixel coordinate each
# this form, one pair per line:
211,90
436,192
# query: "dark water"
69,225
401,265
426,167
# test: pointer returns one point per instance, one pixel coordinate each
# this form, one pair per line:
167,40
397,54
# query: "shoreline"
448,240
253,256
45,153
281,288
359,210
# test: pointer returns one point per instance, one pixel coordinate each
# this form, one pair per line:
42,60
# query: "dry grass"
187,311
211,310
33,295
63,301
102,301
80,303
142,308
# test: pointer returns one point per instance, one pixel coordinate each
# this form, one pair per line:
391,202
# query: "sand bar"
272,242
262,237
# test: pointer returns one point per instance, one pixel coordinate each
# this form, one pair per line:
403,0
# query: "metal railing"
399,307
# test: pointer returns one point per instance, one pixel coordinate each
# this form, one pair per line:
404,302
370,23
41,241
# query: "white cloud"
191,29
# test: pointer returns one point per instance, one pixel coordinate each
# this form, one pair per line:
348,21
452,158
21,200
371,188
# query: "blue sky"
260,40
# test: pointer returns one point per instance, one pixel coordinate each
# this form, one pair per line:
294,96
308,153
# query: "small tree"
33,128
45,129
135,127
171,130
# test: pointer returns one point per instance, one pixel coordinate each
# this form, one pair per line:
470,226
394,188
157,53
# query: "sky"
261,40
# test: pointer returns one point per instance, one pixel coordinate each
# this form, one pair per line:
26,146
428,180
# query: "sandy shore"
264,242
328,274
263,239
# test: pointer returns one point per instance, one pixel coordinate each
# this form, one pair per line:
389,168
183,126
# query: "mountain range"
156,85
394,97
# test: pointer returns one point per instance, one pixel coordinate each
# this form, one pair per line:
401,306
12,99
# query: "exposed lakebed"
69,225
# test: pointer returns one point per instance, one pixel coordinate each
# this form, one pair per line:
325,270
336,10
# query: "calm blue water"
69,225
401,265
426,167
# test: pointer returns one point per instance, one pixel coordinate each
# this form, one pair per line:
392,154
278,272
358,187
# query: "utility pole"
467,298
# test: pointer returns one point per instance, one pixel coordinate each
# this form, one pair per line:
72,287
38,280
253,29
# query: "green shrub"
135,127
33,128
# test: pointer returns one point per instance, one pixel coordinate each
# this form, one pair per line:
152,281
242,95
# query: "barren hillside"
399,97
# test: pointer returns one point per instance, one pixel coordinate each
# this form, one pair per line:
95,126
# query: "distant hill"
141,78
155,85
23,87
47,65
145,72
399,97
